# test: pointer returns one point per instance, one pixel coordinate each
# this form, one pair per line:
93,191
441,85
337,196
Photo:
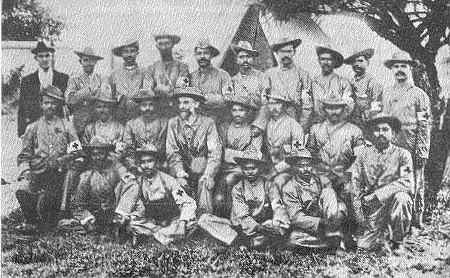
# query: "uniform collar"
130,68
360,77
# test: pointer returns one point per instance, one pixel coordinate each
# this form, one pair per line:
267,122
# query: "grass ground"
75,255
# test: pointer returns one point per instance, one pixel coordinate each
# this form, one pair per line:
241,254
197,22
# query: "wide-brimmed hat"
244,46
338,58
334,100
99,142
192,92
105,94
400,57
117,51
88,51
148,149
301,154
367,53
42,47
382,117
53,91
146,94
175,38
282,42
242,101
276,96
206,43
251,158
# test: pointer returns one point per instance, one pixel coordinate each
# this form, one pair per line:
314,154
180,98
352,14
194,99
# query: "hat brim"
295,43
268,96
241,161
390,62
194,96
368,53
117,51
152,98
393,122
108,147
292,160
106,100
214,51
53,96
236,49
175,38
329,103
40,50
338,58
234,102
81,54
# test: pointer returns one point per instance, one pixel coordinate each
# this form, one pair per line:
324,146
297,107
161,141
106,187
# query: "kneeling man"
158,205
314,210
382,187
258,213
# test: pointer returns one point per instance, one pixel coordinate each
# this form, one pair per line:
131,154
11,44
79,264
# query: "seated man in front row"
94,201
314,210
157,205
258,212
382,187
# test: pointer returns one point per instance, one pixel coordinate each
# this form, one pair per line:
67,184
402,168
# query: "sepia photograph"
225,138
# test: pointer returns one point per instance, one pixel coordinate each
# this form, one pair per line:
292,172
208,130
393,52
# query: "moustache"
203,60
400,73
381,137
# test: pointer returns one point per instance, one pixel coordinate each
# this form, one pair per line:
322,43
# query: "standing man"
291,81
45,143
283,134
411,106
383,187
193,148
166,72
237,140
127,80
367,92
30,87
251,83
149,128
81,89
329,83
214,83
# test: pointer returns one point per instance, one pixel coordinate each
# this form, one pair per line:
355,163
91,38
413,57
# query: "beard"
381,143
185,114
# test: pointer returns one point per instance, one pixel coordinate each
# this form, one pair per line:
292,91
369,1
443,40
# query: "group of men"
259,159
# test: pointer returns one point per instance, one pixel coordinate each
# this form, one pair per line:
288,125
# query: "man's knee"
403,199
281,180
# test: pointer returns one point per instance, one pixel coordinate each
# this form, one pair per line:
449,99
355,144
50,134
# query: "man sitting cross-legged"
94,201
157,205
382,188
258,212
314,210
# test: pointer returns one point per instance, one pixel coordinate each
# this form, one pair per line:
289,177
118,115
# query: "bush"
11,86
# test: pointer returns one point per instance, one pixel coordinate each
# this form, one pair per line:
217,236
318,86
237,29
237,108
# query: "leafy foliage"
25,20
11,86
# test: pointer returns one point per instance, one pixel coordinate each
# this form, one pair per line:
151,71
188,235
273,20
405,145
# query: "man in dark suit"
31,85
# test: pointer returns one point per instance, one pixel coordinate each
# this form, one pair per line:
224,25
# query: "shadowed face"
326,62
275,107
401,71
88,63
49,106
244,60
238,113
302,167
99,156
203,57
44,59
104,110
286,54
187,106
129,55
383,135
250,171
333,113
164,45
148,164
360,64
147,107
